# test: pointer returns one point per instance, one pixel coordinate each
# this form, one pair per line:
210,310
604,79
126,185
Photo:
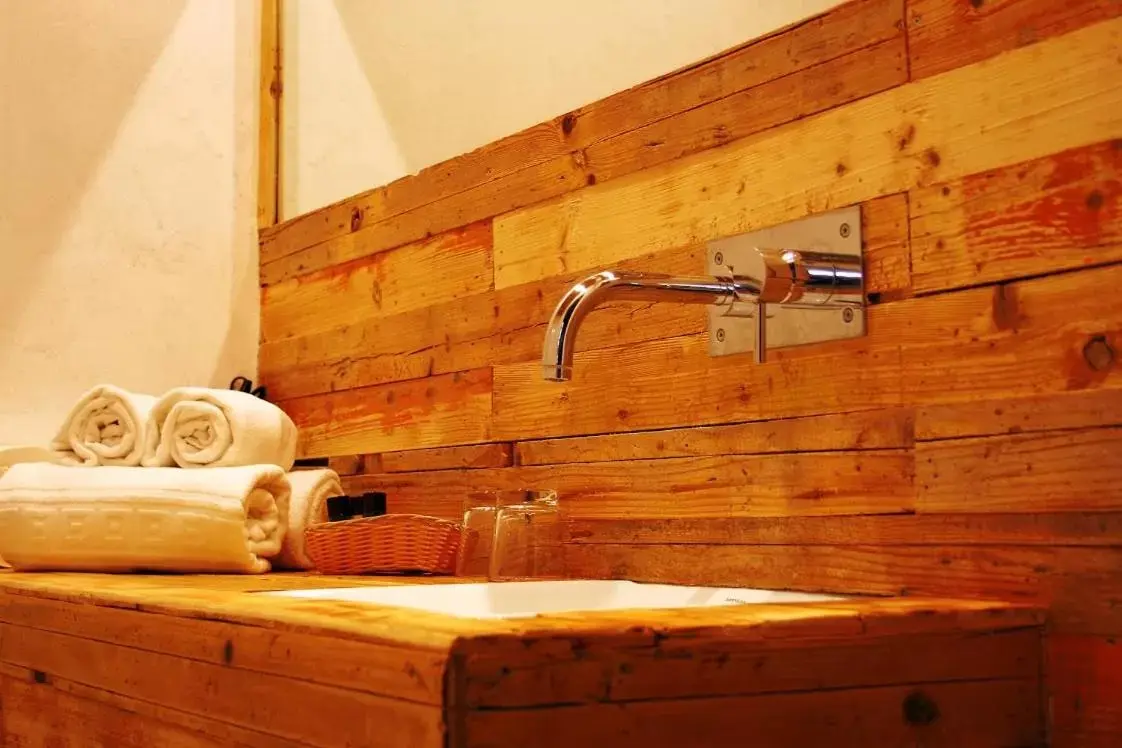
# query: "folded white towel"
124,519
105,427
310,491
199,427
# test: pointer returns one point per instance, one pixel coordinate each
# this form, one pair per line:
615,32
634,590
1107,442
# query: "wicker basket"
392,543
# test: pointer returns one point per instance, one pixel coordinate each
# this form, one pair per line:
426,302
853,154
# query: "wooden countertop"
197,654
223,598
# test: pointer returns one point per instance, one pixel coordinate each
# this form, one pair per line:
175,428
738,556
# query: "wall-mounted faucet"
790,278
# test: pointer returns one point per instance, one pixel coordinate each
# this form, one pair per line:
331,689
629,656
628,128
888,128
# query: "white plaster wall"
127,200
381,88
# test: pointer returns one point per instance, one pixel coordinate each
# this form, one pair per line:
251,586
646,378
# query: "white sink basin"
528,599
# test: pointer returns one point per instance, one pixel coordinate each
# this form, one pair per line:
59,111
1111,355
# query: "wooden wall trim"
269,115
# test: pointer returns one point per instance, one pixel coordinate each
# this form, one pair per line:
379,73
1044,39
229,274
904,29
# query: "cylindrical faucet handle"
808,277
760,351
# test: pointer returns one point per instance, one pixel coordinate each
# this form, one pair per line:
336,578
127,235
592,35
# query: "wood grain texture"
495,455
1055,411
1085,680
529,163
269,115
792,97
1041,99
39,716
347,464
973,714
872,429
884,235
408,673
1055,213
1064,528
470,332
449,409
947,34
293,710
1048,472
745,668
1025,338
1080,586
533,184
406,279
826,483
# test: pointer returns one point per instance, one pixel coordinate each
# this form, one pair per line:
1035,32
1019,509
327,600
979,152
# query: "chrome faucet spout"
610,285
790,278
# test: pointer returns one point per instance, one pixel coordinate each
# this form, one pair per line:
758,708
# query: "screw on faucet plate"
720,334
844,230
847,315
719,258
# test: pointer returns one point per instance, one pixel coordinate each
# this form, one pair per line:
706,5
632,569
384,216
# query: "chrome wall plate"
732,329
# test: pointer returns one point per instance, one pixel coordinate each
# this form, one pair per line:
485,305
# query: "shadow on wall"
452,81
336,140
68,75
126,209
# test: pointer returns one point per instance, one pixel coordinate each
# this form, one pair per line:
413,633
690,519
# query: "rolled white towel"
199,427
310,491
54,517
105,427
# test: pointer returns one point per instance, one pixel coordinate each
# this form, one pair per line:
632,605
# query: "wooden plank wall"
970,444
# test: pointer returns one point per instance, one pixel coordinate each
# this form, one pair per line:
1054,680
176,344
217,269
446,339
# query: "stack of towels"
195,481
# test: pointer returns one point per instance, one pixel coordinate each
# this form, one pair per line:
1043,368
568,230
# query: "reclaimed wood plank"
1050,96
1079,585
407,673
410,278
1055,411
1047,529
884,235
223,733
471,456
870,429
291,709
673,382
438,411
1025,338
39,716
469,333
972,714
269,112
347,464
738,668
1054,213
1085,684
948,34
512,160
533,184
1046,472
822,483
792,97
528,147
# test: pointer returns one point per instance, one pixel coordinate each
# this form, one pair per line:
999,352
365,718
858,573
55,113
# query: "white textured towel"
310,491
54,517
105,427
199,427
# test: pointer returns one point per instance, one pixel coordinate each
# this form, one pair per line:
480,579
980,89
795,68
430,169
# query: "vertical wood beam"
269,123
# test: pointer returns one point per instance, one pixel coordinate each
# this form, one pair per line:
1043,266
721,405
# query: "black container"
340,508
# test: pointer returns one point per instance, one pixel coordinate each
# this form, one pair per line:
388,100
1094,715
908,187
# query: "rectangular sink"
528,599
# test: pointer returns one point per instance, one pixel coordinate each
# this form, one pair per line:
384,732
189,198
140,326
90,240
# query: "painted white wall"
127,200
381,88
